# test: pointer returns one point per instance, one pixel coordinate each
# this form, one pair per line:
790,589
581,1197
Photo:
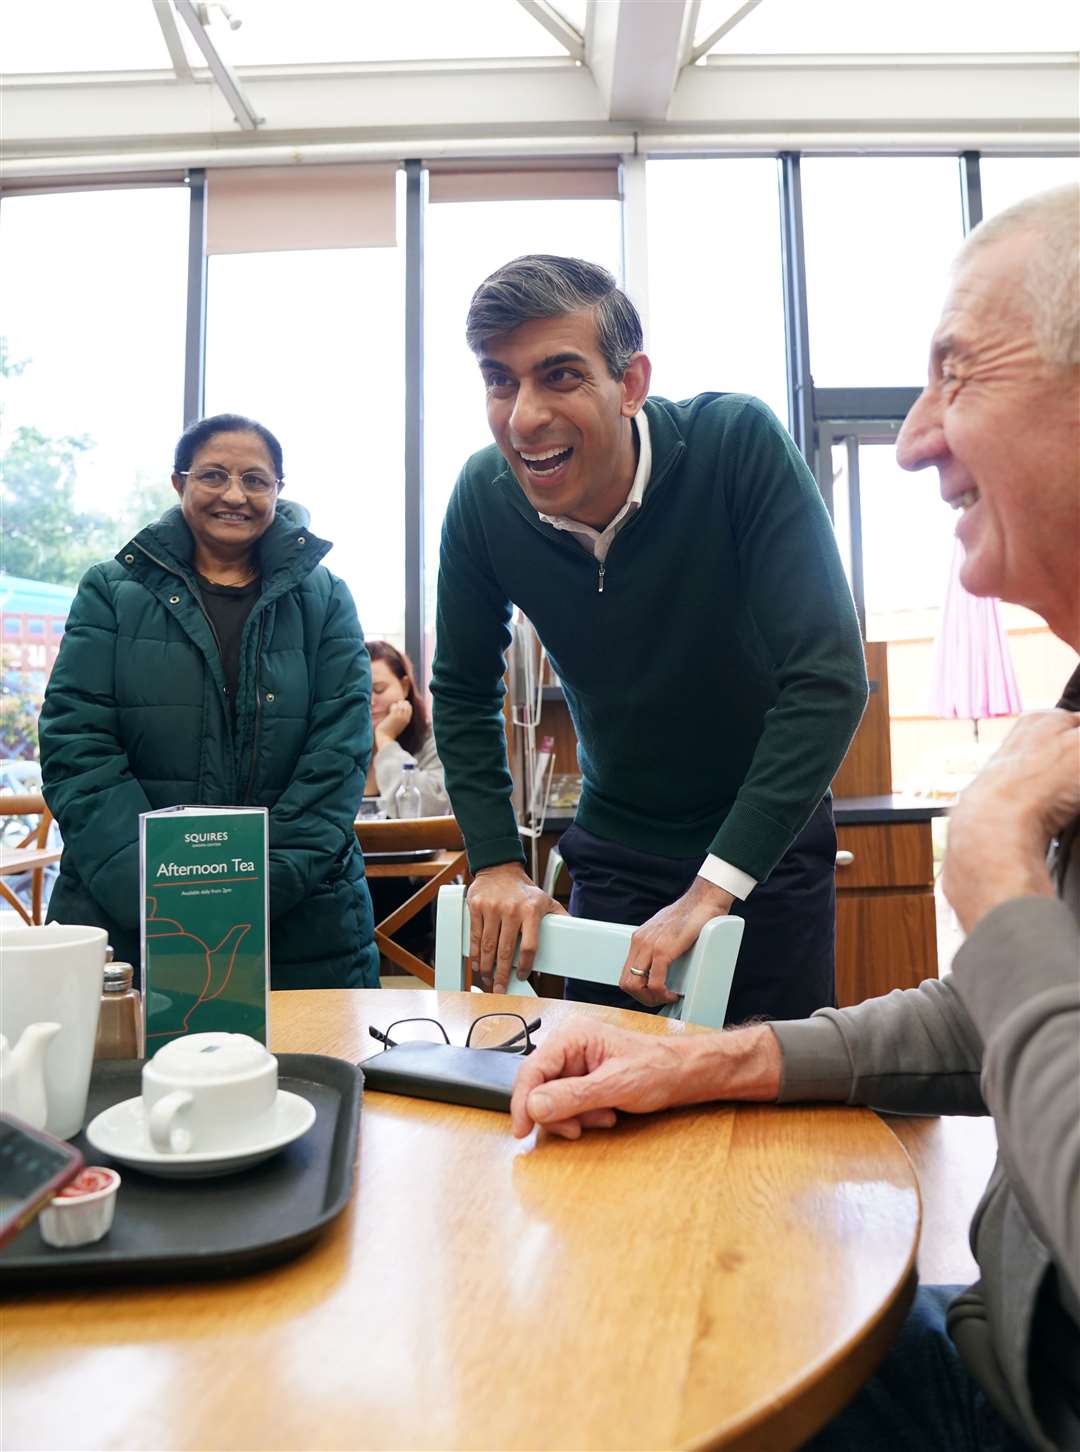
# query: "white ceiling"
129,84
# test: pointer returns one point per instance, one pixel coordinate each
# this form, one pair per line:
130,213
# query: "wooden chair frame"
437,834
28,804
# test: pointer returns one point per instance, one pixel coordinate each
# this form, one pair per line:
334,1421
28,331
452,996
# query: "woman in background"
402,734
216,662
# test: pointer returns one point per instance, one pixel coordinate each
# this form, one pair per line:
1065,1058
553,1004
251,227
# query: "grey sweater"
1000,1036
428,776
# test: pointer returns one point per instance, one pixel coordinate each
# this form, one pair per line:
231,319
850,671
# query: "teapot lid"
211,1056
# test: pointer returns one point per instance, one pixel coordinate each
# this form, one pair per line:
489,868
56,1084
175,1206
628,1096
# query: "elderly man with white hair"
995,1365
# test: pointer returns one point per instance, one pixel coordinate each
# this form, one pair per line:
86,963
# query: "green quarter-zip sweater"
714,671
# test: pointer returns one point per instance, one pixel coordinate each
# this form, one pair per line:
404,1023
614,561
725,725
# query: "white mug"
208,1092
54,974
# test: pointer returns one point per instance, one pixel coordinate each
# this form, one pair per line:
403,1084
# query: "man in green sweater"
680,568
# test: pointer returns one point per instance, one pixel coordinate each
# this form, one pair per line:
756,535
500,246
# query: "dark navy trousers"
787,962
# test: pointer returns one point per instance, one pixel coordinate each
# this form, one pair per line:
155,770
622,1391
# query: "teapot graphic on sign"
192,955
22,1074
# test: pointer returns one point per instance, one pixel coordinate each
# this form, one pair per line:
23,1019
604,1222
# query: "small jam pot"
84,1209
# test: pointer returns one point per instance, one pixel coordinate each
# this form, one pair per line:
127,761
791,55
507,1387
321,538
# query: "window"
12,625
309,343
94,334
465,242
716,303
852,26
881,233
407,30
35,627
1008,179
67,35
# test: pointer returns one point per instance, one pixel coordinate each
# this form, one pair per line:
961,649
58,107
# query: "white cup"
208,1092
54,974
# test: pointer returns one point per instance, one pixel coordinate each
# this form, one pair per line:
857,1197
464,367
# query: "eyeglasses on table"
506,1033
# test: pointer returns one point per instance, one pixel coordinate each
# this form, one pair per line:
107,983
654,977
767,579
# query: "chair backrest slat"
595,952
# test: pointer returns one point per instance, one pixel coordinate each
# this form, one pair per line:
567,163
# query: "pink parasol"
973,672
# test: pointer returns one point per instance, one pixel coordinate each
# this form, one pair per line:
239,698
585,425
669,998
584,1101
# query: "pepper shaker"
120,1025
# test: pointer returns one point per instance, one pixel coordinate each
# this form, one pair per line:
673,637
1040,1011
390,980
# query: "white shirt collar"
633,499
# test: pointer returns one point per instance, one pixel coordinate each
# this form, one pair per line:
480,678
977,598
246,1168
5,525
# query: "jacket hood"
287,546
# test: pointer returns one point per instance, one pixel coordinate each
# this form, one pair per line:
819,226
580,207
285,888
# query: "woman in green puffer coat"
216,662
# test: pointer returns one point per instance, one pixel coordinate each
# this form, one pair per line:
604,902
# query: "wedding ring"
640,972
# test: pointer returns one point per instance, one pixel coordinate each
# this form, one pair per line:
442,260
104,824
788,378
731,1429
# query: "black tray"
179,1228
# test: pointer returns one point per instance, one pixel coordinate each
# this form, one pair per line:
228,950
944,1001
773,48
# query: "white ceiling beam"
309,105
557,26
721,30
634,49
167,20
246,116
934,104
864,95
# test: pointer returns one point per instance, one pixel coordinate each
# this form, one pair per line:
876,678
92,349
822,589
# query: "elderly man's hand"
504,903
1002,824
587,1070
666,935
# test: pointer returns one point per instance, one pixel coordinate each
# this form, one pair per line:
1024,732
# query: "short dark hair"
542,286
197,434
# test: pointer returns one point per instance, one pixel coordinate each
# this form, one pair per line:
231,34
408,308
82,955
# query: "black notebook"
481,1078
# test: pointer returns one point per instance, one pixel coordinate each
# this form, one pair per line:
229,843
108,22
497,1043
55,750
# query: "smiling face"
560,419
227,522
1002,427
386,688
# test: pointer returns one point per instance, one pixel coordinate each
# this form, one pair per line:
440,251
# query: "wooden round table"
714,1277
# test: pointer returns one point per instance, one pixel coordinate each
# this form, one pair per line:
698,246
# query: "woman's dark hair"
416,732
198,433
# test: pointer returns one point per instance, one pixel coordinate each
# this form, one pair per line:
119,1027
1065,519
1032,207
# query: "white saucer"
120,1132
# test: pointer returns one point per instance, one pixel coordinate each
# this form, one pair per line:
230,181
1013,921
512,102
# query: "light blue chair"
596,952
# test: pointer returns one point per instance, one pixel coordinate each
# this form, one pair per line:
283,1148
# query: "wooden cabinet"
886,932
886,929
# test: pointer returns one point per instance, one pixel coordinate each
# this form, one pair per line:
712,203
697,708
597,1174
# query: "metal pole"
195,342
796,324
635,237
414,417
970,190
858,587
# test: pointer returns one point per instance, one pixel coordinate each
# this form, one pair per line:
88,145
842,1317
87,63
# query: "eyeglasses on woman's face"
251,481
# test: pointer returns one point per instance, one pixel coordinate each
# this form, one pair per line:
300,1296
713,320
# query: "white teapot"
50,994
22,1074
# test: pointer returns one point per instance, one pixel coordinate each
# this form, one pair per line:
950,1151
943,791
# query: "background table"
721,1276
441,837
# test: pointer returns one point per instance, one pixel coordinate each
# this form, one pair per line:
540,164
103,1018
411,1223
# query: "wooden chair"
582,948
441,837
32,854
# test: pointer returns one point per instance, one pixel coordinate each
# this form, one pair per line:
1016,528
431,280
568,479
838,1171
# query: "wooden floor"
953,1158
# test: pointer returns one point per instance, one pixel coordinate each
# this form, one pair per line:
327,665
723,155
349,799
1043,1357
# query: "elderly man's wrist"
738,1064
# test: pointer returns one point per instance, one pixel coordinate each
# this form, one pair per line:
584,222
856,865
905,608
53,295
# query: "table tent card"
205,911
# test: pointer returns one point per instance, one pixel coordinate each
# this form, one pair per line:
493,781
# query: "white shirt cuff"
732,879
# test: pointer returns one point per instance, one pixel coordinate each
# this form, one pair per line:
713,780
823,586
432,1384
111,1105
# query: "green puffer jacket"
136,717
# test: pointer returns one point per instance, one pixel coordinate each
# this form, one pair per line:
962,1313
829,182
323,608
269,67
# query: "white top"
598,541
427,778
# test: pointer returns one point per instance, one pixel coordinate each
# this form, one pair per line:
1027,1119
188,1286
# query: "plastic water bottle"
407,796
